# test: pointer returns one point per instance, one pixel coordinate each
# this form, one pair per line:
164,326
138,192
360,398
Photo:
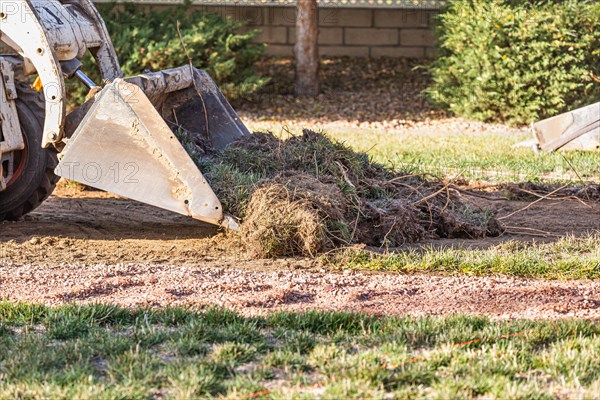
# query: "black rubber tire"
37,180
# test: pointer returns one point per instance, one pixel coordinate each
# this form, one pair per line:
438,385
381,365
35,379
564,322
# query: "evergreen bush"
517,61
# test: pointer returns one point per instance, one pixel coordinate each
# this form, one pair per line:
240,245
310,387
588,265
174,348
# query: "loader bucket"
124,145
188,99
574,130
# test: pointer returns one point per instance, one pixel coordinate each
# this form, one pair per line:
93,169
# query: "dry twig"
432,195
532,203
532,231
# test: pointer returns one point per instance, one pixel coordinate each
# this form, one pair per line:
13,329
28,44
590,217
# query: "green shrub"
150,41
517,61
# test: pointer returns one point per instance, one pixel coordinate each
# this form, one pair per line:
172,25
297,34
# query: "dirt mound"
308,194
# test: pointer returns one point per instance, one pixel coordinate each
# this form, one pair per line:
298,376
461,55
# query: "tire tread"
35,102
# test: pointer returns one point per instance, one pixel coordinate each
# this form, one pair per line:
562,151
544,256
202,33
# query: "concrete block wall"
358,32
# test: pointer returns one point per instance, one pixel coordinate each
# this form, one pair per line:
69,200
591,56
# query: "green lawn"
107,352
487,156
566,258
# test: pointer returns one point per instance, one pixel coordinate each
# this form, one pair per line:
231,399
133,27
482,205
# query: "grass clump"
309,193
295,211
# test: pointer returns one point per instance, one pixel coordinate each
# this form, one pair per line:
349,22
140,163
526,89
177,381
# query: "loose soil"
89,246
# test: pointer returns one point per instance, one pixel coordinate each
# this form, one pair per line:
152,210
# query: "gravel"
255,292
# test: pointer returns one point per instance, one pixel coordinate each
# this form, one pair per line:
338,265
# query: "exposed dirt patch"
89,227
95,247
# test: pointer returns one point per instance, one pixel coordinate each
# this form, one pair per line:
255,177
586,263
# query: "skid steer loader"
122,139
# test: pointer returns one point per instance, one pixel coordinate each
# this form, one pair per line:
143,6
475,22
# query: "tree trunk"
307,49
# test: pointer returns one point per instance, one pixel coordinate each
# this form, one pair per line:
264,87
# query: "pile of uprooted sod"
309,194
